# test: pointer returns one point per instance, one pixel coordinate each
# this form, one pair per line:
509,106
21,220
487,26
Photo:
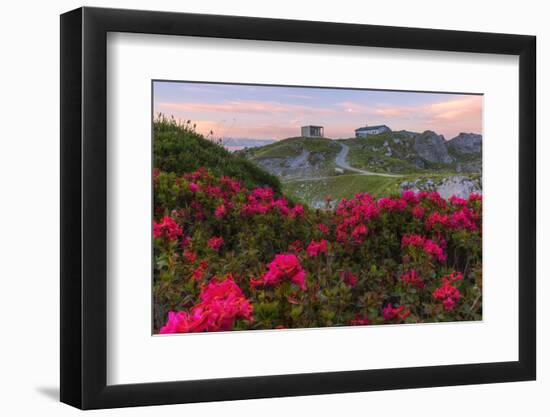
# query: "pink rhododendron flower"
222,303
437,200
474,197
220,211
449,304
262,193
185,241
285,266
418,212
437,219
349,279
392,205
410,197
232,186
391,313
316,248
463,219
413,240
457,201
359,321
359,233
167,228
433,249
297,212
281,206
198,273
296,247
215,243
323,228
213,191
412,278
447,293
193,187
190,257
428,246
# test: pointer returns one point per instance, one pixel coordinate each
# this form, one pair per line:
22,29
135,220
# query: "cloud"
250,107
272,119
255,131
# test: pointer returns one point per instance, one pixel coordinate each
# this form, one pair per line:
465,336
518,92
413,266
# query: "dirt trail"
341,161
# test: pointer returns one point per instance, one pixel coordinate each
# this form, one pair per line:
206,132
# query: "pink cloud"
446,117
242,107
262,120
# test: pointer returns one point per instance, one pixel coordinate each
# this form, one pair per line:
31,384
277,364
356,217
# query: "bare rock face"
304,165
457,185
467,143
431,146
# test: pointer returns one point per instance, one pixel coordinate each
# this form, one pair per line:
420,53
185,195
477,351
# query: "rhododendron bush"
227,257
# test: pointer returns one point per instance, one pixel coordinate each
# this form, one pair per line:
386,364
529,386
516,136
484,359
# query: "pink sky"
259,112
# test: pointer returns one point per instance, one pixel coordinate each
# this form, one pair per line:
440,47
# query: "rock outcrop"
466,143
304,165
457,185
431,146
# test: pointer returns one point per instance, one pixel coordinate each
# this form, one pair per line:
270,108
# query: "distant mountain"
245,142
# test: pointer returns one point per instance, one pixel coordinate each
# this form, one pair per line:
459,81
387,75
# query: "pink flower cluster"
261,201
359,321
323,228
315,248
461,219
427,245
418,212
349,279
285,266
447,293
221,211
199,272
392,205
215,243
413,279
397,313
221,305
167,228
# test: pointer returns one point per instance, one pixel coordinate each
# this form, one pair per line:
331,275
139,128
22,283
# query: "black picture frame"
84,207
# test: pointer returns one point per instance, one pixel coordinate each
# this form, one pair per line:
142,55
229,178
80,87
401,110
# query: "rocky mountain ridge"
312,168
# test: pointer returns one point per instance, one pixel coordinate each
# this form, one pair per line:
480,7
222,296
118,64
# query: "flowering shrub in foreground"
231,258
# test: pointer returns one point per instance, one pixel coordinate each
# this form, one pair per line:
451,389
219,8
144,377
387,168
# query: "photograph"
291,207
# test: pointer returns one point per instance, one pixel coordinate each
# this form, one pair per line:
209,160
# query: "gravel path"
341,161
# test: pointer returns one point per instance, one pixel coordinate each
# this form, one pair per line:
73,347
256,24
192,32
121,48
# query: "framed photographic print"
256,207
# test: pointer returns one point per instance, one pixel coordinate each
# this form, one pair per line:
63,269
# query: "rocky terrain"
466,143
296,158
312,168
457,185
432,147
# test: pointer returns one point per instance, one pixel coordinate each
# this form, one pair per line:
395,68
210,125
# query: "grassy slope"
338,187
293,147
369,153
322,153
179,149
346,186
365,153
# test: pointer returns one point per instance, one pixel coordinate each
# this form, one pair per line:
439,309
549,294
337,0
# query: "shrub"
178,148
409,258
